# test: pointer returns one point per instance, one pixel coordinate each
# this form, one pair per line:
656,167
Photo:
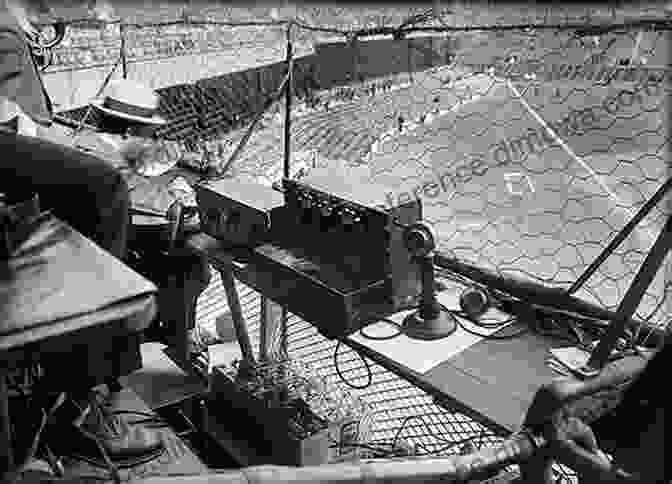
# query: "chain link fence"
532,137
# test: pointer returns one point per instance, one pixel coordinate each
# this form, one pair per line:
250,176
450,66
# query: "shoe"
99,437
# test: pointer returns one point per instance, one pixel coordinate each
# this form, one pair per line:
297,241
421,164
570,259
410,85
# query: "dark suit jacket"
20,79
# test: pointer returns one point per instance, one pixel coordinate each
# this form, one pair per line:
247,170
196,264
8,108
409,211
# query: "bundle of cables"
400,447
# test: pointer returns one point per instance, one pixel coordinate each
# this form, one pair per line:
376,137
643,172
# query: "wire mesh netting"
401,412
530,147
530,150
532,164
531,135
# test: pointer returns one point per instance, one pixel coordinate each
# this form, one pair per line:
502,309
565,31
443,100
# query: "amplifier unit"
330,250
237,213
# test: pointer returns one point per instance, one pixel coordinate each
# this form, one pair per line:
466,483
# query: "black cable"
479,323
582,28
457,314
460,315
342,378
464,441
449,444
416,417
493,336
394,324
386,453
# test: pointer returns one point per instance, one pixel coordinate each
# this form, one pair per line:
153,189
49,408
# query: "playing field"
534,176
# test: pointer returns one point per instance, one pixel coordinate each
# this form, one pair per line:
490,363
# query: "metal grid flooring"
400,410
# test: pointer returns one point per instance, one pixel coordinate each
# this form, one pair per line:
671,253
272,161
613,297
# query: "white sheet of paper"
422,356
571,357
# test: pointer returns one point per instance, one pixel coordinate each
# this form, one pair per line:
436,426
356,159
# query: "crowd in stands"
344,94
217,150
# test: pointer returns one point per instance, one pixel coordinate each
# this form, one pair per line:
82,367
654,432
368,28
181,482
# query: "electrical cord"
381,452
343,379
397,435
394,324
459,443
448,443
582,28
494,336
457,316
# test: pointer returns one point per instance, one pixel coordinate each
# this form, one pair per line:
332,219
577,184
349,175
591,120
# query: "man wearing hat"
129,120
91,196
128,123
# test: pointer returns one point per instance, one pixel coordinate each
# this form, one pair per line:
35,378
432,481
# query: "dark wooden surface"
493,381
498,378
59,282
60,285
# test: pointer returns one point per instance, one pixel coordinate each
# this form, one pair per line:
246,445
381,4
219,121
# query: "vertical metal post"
632,298
354,48
667,278
122,54
410,62
284,343
6,454
288,102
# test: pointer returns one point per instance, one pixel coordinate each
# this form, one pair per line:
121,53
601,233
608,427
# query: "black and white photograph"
334,242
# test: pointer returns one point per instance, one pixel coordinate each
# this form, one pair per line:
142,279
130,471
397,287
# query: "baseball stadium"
534,139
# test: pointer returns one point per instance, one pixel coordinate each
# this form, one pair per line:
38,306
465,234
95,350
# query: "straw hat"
130,101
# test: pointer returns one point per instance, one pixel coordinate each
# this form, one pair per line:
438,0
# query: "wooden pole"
402,471
239,322
288,102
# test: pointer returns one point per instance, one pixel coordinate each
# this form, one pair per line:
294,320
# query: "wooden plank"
41,290
237,314
497,378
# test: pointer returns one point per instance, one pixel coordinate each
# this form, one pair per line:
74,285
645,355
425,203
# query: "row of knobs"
347,215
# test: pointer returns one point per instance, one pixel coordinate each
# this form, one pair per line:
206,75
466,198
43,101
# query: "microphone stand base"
416,327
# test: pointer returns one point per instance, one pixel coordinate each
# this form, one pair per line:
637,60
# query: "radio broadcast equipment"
331,250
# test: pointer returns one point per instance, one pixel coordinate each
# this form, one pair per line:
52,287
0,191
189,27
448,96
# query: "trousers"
92,197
